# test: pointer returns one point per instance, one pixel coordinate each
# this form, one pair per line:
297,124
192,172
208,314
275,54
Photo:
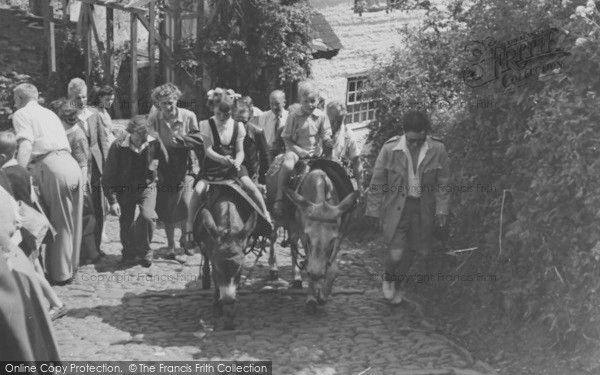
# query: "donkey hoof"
297,284
273,275
311,307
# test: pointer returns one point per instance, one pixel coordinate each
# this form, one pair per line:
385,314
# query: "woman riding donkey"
224,147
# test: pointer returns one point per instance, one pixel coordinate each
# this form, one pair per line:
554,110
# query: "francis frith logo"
516,61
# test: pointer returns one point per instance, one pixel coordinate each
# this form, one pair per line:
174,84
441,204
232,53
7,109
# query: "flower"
580,41
580,11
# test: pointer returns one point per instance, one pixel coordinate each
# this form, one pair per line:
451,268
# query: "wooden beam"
115,6
109,75
199,19
151,38
161,44
177,36
134,72
49,34
99,44
87,35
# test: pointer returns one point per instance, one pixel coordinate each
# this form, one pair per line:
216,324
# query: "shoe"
389,289
187,241
170,255
397,299
189,252
146,261
278,208
58,312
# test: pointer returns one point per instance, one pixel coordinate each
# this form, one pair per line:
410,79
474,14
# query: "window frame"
358,110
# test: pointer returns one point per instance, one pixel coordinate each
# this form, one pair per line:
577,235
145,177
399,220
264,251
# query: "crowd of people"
63,169
71,167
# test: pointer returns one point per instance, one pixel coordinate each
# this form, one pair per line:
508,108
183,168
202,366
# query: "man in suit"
407,195
91,123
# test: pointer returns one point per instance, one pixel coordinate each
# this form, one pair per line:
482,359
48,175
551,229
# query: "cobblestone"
160,313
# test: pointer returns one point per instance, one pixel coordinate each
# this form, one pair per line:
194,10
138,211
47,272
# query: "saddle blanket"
262,226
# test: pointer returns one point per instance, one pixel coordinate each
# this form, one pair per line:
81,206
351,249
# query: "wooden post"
109,76
176,35
49,34
151,32
87,30
134,72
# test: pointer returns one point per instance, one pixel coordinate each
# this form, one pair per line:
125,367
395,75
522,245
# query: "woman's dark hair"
224,103
98,92
138,122
415,121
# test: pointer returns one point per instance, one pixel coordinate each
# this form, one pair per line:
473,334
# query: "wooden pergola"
144,11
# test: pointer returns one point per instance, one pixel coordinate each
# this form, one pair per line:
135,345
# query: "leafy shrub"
532,150
250,46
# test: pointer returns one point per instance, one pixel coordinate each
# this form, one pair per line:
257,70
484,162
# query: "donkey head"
226,247
321,230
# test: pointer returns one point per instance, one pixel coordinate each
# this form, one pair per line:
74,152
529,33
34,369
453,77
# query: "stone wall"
364,38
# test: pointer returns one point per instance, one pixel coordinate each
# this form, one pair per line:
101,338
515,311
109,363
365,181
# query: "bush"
532,151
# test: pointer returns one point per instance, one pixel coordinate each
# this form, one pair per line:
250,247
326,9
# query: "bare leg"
256,195
289,161
170,232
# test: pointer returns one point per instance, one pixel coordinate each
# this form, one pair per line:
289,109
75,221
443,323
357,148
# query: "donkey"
223,235
317,222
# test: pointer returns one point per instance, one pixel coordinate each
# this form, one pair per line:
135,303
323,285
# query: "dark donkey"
317,223
223,230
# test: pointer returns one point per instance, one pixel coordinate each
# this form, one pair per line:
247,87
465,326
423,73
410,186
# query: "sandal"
58,312
187,242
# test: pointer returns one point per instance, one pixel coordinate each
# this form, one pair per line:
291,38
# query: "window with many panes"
359,109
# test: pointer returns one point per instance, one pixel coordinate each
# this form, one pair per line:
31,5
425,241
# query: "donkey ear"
250,224
209,223
298,199
347,203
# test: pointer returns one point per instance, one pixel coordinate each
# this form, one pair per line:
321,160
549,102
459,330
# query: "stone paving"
161,313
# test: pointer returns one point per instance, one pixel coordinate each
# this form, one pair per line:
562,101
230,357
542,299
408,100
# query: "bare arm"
24,152
357,168
239,155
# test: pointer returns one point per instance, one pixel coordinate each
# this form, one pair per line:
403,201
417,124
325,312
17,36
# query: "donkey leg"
205,272
296,275
273,270
311,301
217,305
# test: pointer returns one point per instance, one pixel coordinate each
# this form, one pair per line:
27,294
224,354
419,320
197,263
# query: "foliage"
70,62
533,147
250,45
8,82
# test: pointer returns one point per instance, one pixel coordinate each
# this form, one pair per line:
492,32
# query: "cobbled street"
161,313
